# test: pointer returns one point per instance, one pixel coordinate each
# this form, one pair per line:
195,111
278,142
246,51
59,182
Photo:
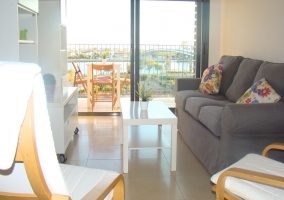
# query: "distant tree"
158,67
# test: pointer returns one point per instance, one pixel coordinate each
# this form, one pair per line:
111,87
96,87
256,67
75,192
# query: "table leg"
125,149
159,128
174,147
89,85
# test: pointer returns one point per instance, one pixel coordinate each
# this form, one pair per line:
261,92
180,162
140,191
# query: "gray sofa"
217,130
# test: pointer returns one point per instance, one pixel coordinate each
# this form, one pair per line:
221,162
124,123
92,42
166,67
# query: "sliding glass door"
164,45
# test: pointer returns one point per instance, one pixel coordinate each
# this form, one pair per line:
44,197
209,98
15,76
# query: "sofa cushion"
274,75
194,104
260,92
244,78
230,67
211,79
183,95
210,116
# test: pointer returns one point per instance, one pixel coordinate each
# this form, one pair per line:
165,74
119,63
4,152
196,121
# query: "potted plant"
104,55
49,83
144,95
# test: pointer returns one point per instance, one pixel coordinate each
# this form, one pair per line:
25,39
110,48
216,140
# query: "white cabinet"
52,40
63,112
52,58
15,17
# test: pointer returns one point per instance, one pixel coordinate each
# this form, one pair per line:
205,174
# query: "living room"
248,28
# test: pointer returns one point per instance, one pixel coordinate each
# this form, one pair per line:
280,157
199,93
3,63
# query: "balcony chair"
253,177
78,77
100,80
124,81
29,168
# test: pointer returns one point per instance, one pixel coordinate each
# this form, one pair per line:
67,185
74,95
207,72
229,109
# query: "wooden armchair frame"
27,153
267,179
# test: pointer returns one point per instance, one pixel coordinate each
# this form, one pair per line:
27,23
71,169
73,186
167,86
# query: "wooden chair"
79,77
29,165
124,81
100,80
253,177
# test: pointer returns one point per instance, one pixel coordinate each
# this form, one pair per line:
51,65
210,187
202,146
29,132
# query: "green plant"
104,54
145,95
49,79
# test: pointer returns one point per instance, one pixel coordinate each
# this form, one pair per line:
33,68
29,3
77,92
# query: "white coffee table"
157,114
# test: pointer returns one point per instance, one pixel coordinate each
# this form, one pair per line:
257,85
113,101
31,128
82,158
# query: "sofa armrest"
253,119
187,84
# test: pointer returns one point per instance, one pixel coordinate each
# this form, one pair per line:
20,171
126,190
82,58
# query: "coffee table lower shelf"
141,137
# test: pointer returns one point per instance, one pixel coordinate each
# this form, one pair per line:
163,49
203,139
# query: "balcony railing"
160,65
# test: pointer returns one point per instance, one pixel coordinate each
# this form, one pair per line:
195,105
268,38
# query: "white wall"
250,28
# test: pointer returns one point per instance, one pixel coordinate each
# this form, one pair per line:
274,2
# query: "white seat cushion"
80,180
252,190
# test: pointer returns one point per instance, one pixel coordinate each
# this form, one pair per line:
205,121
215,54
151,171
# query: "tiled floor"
97,145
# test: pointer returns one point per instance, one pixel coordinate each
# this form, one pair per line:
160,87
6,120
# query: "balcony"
160,65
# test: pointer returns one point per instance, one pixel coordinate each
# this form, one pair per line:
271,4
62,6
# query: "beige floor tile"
195,187
105,140
127,188
77,153
111,165
81,140
82,163
145,153
106,131
154,188
148,167
105,152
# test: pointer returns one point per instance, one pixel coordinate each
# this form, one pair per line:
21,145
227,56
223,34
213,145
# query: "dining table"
89,85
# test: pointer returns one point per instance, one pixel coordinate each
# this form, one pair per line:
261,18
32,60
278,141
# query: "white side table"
157,114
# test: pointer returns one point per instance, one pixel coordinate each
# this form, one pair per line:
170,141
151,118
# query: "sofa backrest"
230,67
274,75
243,79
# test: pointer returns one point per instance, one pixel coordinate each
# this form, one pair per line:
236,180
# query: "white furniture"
18,15
29,168
52,45
252,177
63,112
89,78
52,54
157,114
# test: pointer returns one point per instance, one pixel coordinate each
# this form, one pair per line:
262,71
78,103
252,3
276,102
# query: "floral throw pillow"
260,92
211,79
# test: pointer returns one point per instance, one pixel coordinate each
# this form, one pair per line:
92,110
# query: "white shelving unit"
46,45
63,112
52,40
17,15
53,59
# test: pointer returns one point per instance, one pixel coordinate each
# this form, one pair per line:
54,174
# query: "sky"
108,22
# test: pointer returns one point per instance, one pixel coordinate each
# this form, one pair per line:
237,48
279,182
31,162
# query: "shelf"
26,42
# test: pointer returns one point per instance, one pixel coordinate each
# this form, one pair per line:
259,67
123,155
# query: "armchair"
252,177
29,168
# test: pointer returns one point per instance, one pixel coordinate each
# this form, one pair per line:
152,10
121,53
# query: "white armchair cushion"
249,189
80,180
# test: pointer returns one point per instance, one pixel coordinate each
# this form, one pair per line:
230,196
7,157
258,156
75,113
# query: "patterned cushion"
211,79
260,92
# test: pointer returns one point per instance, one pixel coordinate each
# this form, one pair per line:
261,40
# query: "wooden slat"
276,146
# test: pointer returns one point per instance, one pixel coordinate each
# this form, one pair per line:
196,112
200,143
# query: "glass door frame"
202,40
